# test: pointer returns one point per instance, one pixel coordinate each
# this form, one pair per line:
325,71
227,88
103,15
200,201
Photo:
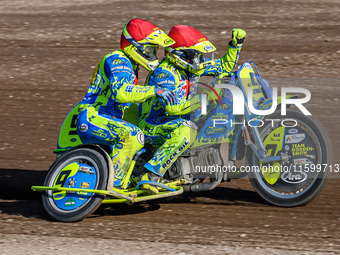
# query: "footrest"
160,185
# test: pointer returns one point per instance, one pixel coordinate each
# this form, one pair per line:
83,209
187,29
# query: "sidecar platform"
132,195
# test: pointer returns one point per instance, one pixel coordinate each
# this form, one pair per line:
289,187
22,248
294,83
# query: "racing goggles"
149,50
197,59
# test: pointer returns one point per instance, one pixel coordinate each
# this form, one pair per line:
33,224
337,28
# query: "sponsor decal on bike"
71,182
172,156
296,138
86,170
301,149
70,202
302,161
99,133
292,131
294,177
215,131
84,185
83,127
225,107
82,193
59,195
211,139
219,116
310,156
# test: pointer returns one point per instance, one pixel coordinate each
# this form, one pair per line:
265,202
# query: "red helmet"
190,50
140,41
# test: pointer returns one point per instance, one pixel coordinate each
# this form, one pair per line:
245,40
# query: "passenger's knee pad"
190,124
140,137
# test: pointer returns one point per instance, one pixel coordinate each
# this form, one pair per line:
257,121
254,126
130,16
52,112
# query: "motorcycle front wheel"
81,168
302,175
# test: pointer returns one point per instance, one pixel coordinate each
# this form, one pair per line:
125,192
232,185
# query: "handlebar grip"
221,76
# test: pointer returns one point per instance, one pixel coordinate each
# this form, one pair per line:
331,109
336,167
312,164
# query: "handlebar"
222,78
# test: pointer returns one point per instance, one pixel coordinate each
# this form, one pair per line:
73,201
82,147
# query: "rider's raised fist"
237,37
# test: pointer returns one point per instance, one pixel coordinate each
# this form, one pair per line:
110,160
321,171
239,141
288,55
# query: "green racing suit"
169,127
98,117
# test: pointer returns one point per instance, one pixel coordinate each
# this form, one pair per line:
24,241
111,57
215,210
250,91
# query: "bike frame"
131,195
258,147
242,79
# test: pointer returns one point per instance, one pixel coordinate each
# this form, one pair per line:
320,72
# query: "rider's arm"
164,78
184,106
121,75
226,63
230,59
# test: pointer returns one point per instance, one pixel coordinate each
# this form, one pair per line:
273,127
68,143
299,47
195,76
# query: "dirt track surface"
48,52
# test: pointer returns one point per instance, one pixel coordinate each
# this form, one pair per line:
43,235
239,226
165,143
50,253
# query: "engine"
196,164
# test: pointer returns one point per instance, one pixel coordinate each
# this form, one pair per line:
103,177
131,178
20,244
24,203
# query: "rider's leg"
178,134
124,138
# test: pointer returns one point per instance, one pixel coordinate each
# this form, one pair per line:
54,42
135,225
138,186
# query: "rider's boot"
147,187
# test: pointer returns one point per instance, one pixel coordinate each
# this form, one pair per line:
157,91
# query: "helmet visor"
201,60
149,50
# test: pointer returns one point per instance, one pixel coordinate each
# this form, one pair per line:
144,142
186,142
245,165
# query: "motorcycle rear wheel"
307,147
79,168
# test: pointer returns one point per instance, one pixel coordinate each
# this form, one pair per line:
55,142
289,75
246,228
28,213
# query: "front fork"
258,147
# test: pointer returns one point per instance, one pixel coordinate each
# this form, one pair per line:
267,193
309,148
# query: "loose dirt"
48,52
